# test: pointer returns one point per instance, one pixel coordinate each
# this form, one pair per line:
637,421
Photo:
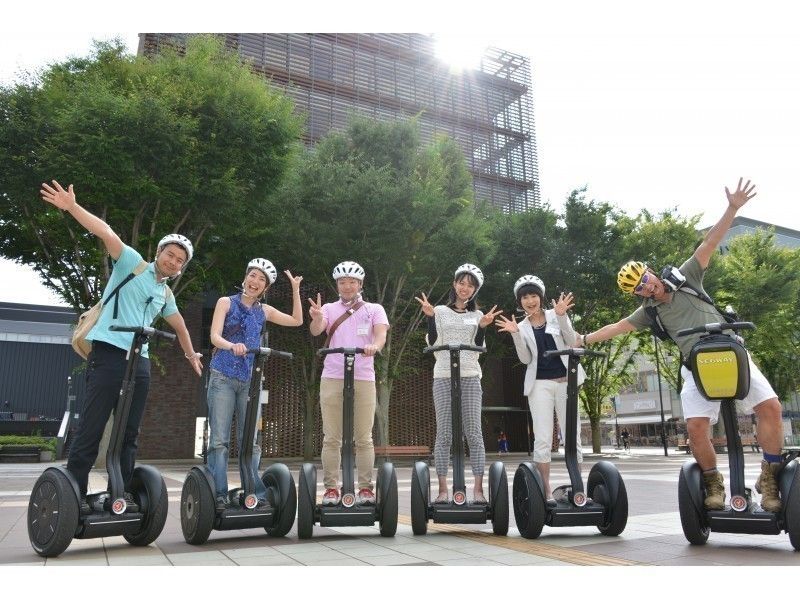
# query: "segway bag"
720,367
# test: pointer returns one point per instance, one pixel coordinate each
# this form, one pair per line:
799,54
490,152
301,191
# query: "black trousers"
105,369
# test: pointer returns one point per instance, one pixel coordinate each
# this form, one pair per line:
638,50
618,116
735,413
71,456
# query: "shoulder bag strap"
341,319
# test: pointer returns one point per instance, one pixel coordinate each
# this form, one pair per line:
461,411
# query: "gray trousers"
471,398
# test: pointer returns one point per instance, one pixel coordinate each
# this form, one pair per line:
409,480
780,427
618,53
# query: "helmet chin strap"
354,300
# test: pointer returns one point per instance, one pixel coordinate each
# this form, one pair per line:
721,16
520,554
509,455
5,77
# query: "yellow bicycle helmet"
630,275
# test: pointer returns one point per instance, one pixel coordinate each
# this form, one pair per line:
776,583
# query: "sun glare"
461,52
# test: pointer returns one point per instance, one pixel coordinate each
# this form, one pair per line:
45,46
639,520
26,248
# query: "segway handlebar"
345,350
577,352
267,352
717,327
146,330
454,347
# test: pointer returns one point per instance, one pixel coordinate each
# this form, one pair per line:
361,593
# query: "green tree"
374,194
189,144
762,282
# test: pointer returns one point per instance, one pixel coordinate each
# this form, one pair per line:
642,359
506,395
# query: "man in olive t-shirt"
681,310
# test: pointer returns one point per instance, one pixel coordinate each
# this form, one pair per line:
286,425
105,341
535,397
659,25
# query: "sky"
656,108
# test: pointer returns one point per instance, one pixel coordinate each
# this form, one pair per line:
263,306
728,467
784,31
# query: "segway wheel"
498,498
282,495
529,503
420,498
52,514
306,501
791,506
197,508
606,487
693,522
150,492
386,492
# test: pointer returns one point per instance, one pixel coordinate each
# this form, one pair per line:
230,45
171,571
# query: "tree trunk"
595,424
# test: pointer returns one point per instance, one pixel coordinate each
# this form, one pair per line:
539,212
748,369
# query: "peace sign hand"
294,280
489,317
564,303
315,311
506,325
61,199
427,308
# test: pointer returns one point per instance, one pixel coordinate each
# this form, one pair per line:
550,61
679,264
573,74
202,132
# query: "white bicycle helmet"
348,269
265,266
178,240
528,280
471,269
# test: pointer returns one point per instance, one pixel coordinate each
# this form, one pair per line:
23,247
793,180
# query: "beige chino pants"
330,400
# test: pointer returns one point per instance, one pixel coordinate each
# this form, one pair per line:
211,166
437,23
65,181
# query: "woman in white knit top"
460,321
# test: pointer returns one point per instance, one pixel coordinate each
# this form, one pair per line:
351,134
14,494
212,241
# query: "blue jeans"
224,395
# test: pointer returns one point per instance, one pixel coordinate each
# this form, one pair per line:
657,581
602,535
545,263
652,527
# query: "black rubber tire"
282,495
420,498
529,504
53,513
693,523
386,492
306,501
150,493
791,510
598,485
198,508
498,502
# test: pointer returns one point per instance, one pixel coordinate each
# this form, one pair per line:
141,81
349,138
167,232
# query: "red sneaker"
366,497
331,497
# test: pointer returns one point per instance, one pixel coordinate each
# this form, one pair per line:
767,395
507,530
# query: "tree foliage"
188,144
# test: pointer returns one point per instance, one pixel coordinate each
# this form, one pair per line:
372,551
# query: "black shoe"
263,503
86,509
222,503
551,503
130,504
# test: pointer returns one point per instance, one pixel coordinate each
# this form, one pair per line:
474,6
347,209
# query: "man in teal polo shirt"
137,303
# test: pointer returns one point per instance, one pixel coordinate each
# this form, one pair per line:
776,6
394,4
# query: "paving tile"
520,558
467,562
270,560
151,560
392,559
256,551
200,558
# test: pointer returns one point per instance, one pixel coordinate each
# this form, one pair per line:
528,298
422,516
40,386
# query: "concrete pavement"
653,535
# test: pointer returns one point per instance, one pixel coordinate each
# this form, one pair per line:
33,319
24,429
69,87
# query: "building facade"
330,76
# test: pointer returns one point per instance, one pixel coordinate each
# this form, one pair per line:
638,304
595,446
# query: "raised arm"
282,319
605,333
65,200
318,322
735,201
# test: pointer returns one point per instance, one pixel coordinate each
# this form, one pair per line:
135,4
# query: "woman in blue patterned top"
235,328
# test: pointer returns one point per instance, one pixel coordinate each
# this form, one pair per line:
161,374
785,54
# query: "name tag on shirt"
470,321
363,330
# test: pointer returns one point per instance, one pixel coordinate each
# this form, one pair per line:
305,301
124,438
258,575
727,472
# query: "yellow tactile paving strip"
537,548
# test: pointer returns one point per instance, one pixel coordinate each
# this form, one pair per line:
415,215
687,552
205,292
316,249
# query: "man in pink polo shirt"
364,326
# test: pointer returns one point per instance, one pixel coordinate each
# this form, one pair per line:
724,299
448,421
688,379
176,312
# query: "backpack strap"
140,267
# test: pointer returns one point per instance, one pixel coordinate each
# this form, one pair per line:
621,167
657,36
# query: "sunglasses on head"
645,279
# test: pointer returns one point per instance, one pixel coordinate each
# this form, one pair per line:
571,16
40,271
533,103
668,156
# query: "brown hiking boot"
767,487
715,491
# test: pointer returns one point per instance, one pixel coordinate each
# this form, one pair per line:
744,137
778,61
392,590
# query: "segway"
604,503
458,510
721,370
347,513
198,499
54,508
